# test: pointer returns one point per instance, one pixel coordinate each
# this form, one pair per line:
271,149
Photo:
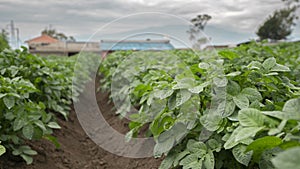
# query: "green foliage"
198,25
32,91
58,35
237,110
3,41
262,144
279,25
51,80
287,159
2,149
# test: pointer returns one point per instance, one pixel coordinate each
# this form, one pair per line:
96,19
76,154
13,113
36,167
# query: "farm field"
77,150
233,108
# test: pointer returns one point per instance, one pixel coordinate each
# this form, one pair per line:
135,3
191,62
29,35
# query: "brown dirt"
77,150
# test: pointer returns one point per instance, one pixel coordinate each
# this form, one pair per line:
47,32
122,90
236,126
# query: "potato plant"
240,109
33,91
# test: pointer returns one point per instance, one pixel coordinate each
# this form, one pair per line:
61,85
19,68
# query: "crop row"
238,108
34,91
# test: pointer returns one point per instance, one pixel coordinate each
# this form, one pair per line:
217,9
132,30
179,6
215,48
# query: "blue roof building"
107,46
111,45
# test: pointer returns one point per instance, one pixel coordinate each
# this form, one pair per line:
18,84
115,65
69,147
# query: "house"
41,40
108,46
45,45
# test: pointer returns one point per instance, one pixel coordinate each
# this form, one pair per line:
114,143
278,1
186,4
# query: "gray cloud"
82,18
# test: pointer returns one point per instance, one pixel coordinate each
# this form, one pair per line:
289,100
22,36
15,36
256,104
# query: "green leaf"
247,132
229,109
53,125
15,139
220,82
18,124
272,74
2,95
240,154
167,162
269,63
278,114
182,96
255,65
279,129
260,145
158,125
282,115
53,140
251,117
289,144
30,152
191,161
180,156
169,138
179,131
233,88
162,94
265,159
38,133
189,111
27,158
197,147
211,122
293,108
40,124
280,68
255,105
214,145
9,116
2,150
204,65
172,102
228,54
231,141
233,74
209,161
164,144
166,93
200,88
252,94
195,165
17,152
129,136
9,102
287,159
241,101
28,131
184,83
157,106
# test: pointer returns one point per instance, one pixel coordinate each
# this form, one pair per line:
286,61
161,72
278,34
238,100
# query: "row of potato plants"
34,92
239,108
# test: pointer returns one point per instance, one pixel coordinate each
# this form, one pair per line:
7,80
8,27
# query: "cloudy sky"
232,21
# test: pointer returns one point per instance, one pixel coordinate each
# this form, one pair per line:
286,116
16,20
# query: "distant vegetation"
3,40
58,35
195,31
279,25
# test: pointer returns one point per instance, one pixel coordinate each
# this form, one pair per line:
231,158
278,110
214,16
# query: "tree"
279,25
198,25
290,2
58,35
3,40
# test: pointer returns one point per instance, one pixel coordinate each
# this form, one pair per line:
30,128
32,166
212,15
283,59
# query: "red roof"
43,39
